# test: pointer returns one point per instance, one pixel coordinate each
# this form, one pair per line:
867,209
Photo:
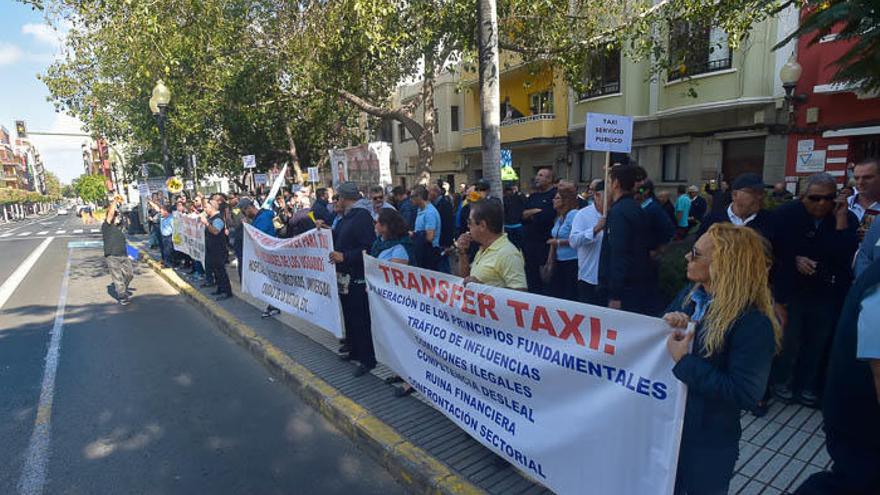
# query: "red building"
836,125
96,160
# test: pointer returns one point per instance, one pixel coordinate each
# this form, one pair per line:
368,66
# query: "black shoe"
361,371
403,391
391,380
344,349
270,312
124,301
206,285
809,399
346,357
783,392
761,409
223,297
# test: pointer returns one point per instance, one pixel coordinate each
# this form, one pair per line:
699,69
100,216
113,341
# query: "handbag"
546,270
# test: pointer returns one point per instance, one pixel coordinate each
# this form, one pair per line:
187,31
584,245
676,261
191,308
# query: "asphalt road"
147,398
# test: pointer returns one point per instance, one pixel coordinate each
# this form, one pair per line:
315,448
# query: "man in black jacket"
744,208
818,238
625,278
447,224
851,406
321,207
353,234
537,219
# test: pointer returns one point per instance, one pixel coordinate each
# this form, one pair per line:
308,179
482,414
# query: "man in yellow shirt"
498,262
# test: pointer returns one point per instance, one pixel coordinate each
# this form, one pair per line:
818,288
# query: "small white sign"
806,145
261,179
314,176
810,162
608,132
190,185
249,161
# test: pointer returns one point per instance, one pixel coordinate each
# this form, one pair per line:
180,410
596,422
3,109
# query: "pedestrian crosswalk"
14,235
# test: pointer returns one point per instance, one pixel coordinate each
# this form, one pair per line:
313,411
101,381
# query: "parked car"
63,211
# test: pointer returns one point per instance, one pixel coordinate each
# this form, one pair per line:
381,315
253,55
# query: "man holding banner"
261,220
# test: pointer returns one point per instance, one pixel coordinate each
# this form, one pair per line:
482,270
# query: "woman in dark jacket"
736,335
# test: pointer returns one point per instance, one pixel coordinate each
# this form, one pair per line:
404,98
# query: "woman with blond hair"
563,257
735,337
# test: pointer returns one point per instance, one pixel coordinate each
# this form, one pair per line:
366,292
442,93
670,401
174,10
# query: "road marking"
95,231
43,232
33,476
60,231
21,272
24,234
6,235
78,231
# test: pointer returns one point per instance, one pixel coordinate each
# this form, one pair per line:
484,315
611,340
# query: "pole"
195,173
607,183
165,164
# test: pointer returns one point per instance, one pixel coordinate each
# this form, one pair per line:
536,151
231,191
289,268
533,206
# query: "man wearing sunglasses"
818,237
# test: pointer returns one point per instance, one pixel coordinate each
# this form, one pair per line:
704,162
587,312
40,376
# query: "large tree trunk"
294,157
426,139
490,112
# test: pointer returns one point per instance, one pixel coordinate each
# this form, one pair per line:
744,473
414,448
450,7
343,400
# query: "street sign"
261,179
608,132
314,176
249,161
810,161
145,170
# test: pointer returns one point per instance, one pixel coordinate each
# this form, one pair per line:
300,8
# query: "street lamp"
158,105
789,75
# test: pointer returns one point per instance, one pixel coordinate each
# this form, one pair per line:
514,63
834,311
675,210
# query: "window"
453,118
436,121
541,102
401,132
697,49
603,74
675,163
592,165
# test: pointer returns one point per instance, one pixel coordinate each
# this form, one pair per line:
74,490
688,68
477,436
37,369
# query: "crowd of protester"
781,290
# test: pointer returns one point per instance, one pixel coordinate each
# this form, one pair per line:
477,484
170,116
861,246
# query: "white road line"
33,475
43,232
6,235
95,231
78,231
60,231
24,234
21,272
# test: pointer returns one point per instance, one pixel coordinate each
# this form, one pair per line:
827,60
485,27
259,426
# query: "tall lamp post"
790,74
158,105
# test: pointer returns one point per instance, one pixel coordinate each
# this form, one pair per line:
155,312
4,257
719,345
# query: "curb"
408,463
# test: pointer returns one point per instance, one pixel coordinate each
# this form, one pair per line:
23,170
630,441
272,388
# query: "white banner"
580,398
189,236
294,275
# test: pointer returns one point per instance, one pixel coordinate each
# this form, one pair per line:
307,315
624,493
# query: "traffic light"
21,129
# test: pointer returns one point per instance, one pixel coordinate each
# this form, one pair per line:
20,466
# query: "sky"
27,47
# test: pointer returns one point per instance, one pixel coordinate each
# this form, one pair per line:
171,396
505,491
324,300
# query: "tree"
91,188
53,185
852,20
67,191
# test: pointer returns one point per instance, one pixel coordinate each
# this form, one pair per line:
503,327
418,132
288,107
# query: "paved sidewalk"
777,452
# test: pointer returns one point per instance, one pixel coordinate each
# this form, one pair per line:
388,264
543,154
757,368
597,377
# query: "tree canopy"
91,188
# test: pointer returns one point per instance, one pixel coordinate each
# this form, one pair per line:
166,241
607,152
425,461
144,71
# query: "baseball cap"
482,185
245,203
348,190
748,180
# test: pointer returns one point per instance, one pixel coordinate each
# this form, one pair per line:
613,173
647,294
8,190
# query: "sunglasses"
820,197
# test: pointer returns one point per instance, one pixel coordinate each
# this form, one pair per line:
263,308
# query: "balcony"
542,125
697,68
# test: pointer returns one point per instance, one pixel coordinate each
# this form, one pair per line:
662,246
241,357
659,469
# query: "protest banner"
572,395
294,275
189,236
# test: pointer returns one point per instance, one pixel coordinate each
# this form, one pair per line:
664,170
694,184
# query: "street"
146,398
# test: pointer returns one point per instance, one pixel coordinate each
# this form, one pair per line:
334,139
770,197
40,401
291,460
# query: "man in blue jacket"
353,234
625,279
261,219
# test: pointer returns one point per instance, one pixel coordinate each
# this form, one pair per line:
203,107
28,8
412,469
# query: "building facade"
32,163
720,114
96,160
14,169
836,125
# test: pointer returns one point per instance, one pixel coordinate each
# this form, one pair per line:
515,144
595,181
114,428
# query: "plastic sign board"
506,158
314,176
810,161
249,161
608,132
261,179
